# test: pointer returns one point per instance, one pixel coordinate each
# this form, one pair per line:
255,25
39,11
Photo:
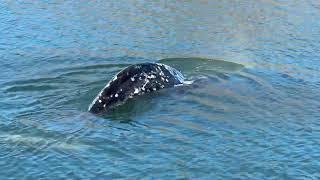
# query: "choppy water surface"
252,111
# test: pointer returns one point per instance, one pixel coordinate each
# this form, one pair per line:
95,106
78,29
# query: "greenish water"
252,111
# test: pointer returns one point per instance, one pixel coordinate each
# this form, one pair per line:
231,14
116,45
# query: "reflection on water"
251,110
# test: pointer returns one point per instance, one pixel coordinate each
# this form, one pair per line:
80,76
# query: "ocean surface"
252,111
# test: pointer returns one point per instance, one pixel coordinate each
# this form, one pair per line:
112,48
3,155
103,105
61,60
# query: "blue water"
252,111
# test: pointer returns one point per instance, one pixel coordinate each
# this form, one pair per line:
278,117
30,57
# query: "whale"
132,81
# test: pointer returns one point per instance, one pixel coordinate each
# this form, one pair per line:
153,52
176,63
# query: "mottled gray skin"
133,81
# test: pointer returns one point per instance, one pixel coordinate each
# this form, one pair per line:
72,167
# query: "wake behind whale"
133,81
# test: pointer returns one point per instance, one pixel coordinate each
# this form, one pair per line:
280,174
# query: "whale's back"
133,81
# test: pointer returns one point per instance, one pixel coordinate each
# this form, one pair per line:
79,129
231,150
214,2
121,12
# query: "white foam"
188,82
36,140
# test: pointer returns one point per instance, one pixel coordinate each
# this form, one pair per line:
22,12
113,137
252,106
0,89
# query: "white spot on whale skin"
136,91
167,80
104,105
100,101
116,95
132,79
151,76
154,89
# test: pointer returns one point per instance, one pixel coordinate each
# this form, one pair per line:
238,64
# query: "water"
252,111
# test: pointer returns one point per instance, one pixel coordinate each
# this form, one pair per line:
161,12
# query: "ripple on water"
256,117
225,116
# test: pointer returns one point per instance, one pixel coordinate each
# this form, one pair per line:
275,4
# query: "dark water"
252,111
